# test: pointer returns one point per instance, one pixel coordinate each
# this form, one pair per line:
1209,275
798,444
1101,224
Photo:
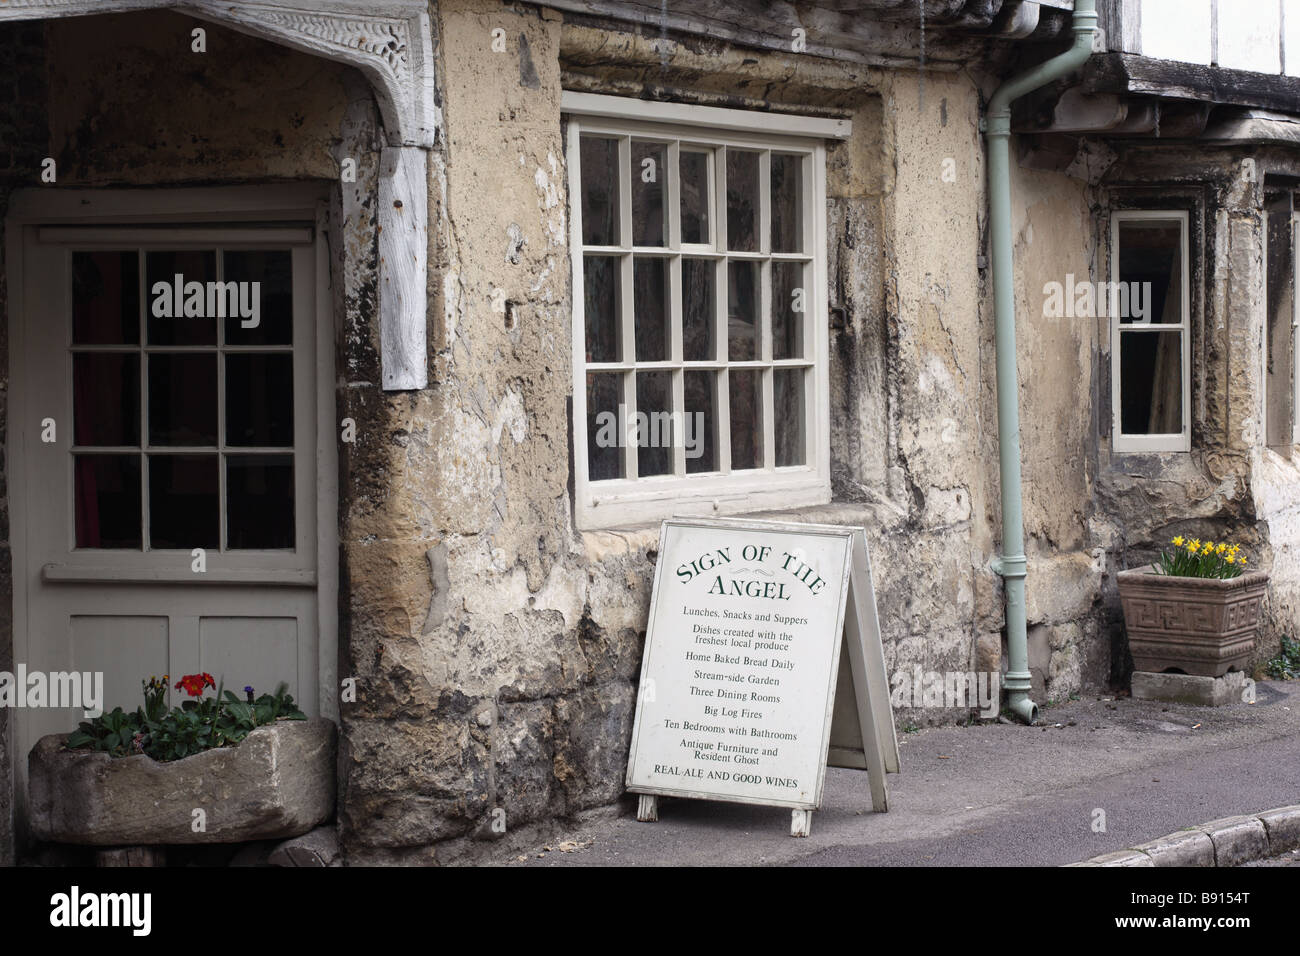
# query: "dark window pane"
746,419
1151,383
699,304
259,501
695,196
601,291
183,501
742,201
105,298
1151,270
108,501
650,299
789,305
655,434
787,203
187,321
700,422
788,416
183,399
599,171
649,211
259,400
258,288
742,311
605,420
106,398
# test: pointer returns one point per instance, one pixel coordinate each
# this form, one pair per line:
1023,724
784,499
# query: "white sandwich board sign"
762,664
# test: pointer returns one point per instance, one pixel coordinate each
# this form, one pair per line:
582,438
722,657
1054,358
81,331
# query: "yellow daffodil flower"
1178,541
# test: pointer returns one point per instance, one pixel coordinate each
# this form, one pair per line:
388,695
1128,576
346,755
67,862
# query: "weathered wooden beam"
403,266
1125,73
770,26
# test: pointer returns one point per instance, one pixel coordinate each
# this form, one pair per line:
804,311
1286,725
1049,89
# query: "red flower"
193,684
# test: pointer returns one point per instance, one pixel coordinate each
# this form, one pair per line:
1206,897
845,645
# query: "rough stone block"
278,782
1189,688
319,848
1187,848
1237,840
1283,828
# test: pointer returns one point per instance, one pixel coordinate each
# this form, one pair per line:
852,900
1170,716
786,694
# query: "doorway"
171,447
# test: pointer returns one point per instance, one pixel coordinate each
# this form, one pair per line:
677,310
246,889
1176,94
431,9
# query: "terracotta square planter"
1201,626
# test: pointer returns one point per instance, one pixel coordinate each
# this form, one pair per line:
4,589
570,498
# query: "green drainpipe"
1012,563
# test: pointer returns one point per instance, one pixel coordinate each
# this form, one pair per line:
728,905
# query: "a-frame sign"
763,664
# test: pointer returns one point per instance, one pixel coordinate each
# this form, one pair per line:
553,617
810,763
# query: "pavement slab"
1096,775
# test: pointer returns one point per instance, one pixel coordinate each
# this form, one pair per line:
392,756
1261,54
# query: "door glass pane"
649,211
650,300
259,501
183,501
742,311
105,298
746,418
694,196
259,400
182,398
599,166
107,492
258,297
1150,271
106,398
1151,383
181,317
742,201
787,203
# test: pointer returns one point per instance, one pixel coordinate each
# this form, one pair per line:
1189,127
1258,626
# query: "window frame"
629,501
1127,443
1295,330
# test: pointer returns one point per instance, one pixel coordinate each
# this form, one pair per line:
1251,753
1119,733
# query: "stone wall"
23,138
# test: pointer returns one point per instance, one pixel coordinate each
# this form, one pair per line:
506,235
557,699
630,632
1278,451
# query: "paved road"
991,794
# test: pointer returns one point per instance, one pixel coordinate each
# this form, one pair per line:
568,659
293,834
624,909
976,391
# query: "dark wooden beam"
1125,73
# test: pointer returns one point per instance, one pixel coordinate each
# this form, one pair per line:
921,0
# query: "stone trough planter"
1200,626
279,782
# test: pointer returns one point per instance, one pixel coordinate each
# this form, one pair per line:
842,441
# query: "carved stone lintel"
390,41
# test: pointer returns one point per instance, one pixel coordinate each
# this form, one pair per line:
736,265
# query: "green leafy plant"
1286,666
199,724
1197,559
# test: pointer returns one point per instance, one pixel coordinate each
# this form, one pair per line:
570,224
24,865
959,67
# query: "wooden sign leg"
871,734
800,823
647,808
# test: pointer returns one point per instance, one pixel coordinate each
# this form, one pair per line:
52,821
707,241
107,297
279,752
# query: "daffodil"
1178,541
1220,547
1194,545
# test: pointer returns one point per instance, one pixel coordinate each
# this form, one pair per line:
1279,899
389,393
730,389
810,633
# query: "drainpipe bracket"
1009,565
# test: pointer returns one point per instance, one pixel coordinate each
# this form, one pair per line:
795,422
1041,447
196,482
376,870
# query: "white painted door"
169,490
